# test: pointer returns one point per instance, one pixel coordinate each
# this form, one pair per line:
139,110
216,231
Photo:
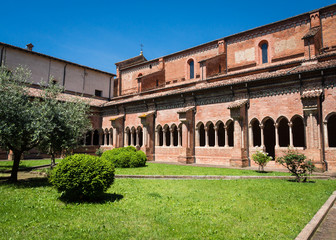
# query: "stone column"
132,138
262,136
126,139
216,136
171,137
164,137
226,136
115,137
105,138
251,144
206,137
325,131
179,137
157,139
92,133
110,138
137,138
290,134
276,125
144,136
197,144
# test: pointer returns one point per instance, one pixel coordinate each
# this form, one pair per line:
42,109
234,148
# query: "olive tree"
44,122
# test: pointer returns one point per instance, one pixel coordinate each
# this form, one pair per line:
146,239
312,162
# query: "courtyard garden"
164,209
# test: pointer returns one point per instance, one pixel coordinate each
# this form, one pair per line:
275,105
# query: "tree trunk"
15,169
53,163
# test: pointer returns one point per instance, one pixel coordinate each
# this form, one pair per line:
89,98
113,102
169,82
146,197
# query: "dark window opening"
269,137
298,132
331,126
157,83
175,137
221,135
96,138
283,131
191,69
129,137
264,52
160,136
256,132
230,134
167,136
98,93
140,137
202,135
211,135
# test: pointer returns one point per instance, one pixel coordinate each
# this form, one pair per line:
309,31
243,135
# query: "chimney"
30,47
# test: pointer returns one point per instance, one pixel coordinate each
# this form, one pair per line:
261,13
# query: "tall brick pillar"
117,123
186,117
147,121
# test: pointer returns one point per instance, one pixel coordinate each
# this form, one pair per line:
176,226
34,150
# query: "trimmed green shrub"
125,157
261,158
81,175
297,164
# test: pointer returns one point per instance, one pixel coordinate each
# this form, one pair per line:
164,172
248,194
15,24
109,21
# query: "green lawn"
165,209
7,165
169,169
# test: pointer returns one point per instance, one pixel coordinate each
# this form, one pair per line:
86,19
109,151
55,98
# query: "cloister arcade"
169,136
269,134
98,137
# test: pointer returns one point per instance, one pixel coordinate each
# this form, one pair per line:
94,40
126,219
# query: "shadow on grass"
308,181
263,172
104,198
26,183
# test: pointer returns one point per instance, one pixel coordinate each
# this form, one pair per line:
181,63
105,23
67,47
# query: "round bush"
125,157
82,175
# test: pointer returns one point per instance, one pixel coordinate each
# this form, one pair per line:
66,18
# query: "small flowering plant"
261,158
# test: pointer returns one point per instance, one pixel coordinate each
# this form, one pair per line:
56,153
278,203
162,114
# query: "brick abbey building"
217,103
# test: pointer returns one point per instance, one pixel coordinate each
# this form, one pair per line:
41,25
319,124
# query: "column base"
238,162
186,159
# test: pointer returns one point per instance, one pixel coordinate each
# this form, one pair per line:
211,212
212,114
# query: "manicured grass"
7,165
165,209
169,169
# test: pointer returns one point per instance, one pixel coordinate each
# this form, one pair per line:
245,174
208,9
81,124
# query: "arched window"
269,137
140,136
211,135
264,52
201,135
175,136
160,135
283,132
191,68
129,137
256,133
88,138
221,135
298,132
167,136
331,127
96,138
230,129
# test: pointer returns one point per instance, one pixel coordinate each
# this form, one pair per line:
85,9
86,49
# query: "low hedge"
81,175
126,157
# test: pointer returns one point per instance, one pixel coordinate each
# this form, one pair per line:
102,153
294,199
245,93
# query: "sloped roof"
312,32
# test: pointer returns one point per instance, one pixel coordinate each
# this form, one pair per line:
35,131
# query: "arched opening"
88,138
180,127
134,136
283,132
140,136
107,137
191,68
230,130
256,133
201,135
167,135
269,137
298,132
175,136
111,137
331,128
264,52
128,132
160,135
211,135
221,134
96,137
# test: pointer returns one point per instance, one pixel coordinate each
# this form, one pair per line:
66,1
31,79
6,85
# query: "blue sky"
100,33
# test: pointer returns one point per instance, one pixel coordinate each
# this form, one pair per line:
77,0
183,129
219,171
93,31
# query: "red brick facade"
217,103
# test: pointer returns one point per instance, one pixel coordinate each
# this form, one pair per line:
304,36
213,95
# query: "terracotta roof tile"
238,103
311,93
